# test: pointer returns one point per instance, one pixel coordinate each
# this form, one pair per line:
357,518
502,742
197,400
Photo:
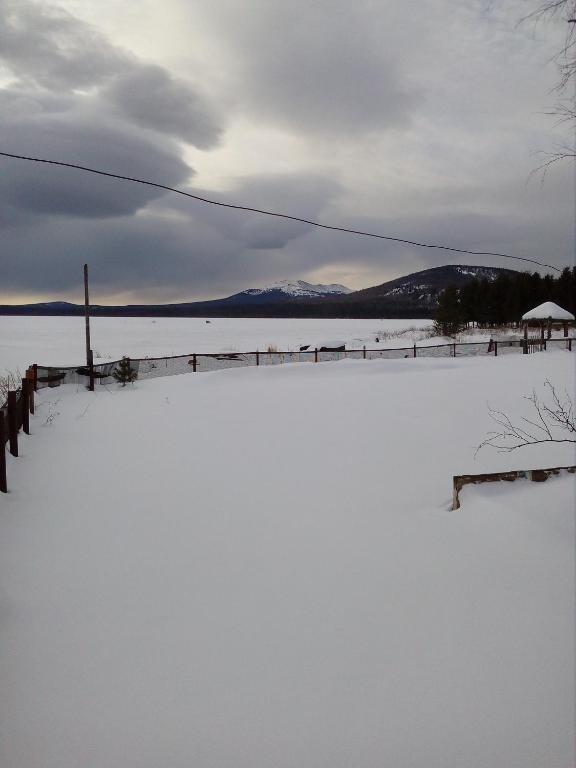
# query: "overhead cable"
276,214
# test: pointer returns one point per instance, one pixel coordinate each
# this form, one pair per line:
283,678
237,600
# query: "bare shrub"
9,382
553,421
415,333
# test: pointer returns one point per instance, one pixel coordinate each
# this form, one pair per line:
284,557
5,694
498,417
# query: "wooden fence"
15,416
202,362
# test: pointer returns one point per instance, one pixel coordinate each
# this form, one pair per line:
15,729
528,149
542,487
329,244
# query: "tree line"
502,301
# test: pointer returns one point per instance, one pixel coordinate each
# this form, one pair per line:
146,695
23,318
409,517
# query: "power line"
275,213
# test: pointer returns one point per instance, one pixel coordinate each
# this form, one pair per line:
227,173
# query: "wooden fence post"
25,405
316,354
194,363
91,371
257,357
364,352
3,484
569,345
414,353
12,423
30,380
35,370
454,350
495,349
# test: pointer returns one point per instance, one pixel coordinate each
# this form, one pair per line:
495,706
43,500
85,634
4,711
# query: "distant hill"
420,290
414,295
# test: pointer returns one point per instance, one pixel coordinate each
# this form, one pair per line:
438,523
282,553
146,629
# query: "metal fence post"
3,484
257,357
12,423
25,405
364,352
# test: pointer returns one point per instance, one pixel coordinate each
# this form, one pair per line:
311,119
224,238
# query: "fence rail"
155,367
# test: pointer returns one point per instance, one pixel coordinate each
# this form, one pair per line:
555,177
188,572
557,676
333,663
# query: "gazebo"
546,314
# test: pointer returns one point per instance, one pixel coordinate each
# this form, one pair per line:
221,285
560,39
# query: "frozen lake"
60,340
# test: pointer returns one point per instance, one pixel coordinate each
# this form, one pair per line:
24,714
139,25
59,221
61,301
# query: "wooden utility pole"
89,358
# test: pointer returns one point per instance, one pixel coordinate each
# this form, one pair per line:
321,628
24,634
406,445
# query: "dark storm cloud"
151,97
78,138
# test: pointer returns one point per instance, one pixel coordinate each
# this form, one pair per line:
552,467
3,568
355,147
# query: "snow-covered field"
61,341
258,568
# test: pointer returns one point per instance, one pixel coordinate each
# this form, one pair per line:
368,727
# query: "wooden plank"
3,483
25,405
535,475
12,423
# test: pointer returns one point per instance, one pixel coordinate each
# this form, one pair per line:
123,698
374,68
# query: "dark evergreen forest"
505,299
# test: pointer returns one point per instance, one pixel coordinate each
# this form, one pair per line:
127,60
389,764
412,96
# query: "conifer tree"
124,373
449,318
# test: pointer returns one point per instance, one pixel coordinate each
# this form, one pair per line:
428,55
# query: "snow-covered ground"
61,341
258,568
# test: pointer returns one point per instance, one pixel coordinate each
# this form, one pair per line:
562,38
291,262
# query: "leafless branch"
563,11
10,381
554,422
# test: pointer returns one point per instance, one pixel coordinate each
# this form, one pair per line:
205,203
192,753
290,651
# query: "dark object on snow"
85,371
328,346
226,356
52,379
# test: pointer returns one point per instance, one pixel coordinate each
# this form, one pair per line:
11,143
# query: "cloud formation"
151,97
365,115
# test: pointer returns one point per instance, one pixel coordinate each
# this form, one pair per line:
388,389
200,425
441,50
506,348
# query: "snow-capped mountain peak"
298,288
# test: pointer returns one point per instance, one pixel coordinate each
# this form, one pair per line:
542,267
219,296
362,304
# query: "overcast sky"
422,119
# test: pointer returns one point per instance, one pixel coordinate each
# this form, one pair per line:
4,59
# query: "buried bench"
536,475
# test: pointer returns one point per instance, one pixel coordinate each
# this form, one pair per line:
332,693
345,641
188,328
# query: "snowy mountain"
286,289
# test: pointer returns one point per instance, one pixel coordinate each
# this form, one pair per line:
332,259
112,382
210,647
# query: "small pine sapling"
124,373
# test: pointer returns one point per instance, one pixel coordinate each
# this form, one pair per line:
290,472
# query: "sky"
422,120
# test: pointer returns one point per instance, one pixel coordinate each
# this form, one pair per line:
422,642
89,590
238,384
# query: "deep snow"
258,568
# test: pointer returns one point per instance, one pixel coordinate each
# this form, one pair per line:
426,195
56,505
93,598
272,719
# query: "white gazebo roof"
546,311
